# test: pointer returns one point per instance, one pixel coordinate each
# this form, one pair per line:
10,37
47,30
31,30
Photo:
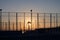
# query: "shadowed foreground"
38,34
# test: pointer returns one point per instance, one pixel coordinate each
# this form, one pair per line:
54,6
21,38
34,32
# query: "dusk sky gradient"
43,6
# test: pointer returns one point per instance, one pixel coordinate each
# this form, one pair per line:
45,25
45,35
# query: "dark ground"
38,34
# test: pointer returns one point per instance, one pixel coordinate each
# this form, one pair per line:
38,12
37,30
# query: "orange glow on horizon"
34,25
22,26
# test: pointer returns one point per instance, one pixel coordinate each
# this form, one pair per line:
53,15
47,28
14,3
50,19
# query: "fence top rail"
30,12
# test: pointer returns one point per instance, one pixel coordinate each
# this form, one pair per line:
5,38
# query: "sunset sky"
42,6
50,6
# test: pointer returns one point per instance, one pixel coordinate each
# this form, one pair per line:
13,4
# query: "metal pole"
0,19
9,21
31,19
44,20
3,25
50,20
56,20
38,20
20,25
16,21
13,26
6,26
24,21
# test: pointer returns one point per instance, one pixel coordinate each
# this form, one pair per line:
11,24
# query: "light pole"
0,19
31,19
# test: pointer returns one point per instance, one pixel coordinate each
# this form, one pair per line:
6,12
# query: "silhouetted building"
0,19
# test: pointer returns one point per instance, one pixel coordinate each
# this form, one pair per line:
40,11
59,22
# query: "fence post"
24,21
6,26
20,25
9,20
50,20
38,20
13,26
56,20
16,21
44,20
